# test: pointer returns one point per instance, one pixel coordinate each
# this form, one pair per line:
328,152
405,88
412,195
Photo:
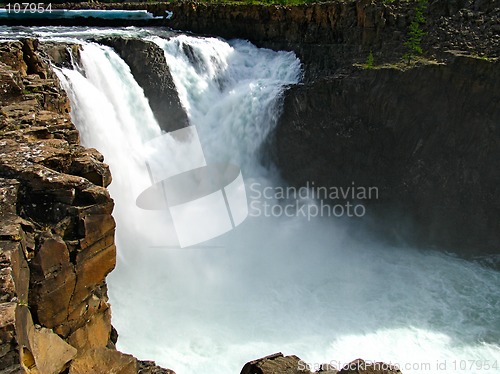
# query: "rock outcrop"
278,363
149,67
275,363
56,230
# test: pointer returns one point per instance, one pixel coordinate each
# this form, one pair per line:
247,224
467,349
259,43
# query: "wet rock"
150,367
148,65
359,366
275,363
62,55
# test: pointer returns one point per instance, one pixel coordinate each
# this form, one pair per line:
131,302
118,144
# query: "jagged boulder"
33,61
275,363
360,366
279,364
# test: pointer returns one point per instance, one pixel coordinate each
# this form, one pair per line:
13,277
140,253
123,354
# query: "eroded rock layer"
148,65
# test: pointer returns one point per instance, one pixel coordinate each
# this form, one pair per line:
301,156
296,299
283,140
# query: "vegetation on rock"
415,32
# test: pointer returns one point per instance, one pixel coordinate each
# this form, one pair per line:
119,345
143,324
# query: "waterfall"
277,283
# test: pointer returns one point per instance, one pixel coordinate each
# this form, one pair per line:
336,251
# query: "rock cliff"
56,231
427,138
333,35
330,36
149,67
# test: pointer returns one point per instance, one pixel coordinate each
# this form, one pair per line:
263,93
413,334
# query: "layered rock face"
56,231
149,67
426,138
334,35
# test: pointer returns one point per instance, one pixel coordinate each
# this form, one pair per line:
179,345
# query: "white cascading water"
272,284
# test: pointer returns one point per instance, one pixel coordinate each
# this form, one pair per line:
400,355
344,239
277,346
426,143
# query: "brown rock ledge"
279,364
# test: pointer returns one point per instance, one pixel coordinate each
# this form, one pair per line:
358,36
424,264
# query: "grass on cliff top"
258,2
232,2
236,2
401,65
242,2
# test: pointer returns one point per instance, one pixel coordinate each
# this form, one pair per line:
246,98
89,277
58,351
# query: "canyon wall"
427,138
330,35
